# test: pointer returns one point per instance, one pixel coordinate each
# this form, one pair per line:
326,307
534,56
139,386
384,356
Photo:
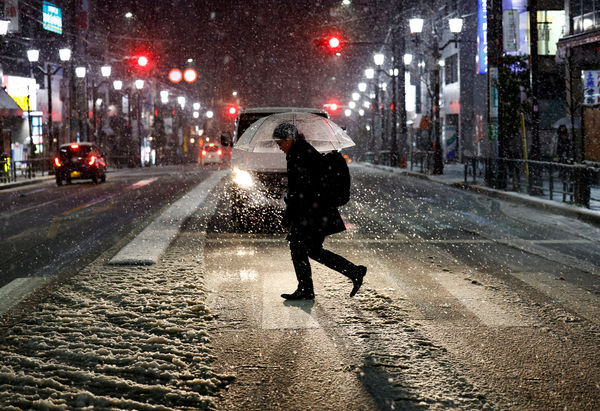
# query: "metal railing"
11,170
570,183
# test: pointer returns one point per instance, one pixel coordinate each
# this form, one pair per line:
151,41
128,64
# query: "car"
259,180
211,153
81,160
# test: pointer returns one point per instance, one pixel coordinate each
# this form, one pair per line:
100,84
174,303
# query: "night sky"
264,49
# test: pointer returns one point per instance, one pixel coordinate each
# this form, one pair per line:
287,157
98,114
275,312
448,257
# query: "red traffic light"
232,110
334,42
142,61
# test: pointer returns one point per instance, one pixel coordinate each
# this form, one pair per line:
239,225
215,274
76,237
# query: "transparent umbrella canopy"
322,133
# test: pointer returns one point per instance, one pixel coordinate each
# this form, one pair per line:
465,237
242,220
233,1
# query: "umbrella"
566,121
322,133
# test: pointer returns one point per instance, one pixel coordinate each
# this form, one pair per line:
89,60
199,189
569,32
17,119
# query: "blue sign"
482,48
52,17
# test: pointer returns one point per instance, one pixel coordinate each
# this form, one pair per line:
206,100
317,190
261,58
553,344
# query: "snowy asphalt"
148,337
114,337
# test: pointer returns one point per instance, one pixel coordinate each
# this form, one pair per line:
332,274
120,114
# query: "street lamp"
164,96
64,54
33,56
118,85
4,27
80,71
105,71
416,27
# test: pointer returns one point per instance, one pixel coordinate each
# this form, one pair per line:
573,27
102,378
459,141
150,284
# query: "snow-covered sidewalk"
115,337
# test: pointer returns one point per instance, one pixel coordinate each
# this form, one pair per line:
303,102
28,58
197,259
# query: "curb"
6,186
585,215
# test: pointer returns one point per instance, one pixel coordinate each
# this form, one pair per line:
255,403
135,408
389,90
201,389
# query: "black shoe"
358,279
299,295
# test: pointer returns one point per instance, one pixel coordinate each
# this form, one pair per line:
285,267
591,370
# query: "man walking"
308,217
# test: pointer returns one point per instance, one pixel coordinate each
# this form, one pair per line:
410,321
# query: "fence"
571,183
10,170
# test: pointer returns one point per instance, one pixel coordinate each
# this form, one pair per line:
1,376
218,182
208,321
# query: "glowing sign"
482,48
51,18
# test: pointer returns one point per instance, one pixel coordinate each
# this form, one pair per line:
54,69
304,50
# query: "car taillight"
92,160
219,152
204,153
57,162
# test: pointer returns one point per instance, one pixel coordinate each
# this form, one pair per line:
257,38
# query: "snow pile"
115,337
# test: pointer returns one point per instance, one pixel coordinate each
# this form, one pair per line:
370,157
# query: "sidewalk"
454,175
23,180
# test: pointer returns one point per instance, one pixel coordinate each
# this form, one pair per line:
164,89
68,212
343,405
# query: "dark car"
79,161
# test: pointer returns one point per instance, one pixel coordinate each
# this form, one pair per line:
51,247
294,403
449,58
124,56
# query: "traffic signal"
334,43
232,110
142,61
331,43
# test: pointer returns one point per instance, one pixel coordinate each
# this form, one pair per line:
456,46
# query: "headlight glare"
242,178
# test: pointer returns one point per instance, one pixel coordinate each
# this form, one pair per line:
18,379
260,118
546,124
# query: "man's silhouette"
308,217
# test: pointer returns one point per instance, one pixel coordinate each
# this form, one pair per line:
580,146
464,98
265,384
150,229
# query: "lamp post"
416,27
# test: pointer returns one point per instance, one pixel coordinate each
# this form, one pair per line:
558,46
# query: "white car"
211,154
259,179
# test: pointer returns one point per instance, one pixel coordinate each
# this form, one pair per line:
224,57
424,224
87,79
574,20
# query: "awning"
8,107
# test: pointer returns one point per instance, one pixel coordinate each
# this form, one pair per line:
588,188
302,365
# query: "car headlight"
242,178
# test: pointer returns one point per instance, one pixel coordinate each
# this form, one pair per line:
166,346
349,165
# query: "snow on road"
115,337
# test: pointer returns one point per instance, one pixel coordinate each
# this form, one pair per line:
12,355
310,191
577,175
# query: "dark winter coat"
306,214
564,148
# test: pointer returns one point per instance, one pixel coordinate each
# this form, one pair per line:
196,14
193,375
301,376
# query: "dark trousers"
301,250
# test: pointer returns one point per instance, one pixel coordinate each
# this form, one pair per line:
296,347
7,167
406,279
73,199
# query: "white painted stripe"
18,289
479,301
151,243
279,314
572,297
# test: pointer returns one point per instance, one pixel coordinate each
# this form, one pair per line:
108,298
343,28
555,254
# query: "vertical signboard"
482,48
591,87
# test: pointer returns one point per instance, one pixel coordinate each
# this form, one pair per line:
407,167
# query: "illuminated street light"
181,101
64,54
362,87
196,106
4,27
355,96
348,112
139,84
164,96
117,84
407,59
455,25
379,58
105,70
33,55
80,71
209,114
370,73
416,25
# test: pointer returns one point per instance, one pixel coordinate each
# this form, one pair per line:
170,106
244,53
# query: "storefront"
27,127
578,51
